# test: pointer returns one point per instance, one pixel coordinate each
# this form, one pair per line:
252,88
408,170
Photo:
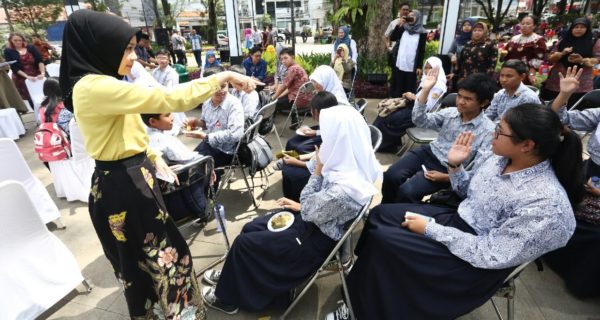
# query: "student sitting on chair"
250,100
406,180
296,172
189,200
323,79
513,92
288,92
394,123
263,266
222,122
518,206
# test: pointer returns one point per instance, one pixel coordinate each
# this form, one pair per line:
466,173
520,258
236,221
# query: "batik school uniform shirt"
224,123
502,101
587,120
108,112
517,216
328,206
294,79
449,124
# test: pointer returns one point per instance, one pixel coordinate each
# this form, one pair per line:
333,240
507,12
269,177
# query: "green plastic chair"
182,71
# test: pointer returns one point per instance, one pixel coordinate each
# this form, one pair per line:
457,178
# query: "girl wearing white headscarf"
408,52
325,79
395,124
262,266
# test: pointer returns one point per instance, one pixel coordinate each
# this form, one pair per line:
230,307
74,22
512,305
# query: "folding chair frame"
593,93
304,88
341,271
266,112
507,291
351,92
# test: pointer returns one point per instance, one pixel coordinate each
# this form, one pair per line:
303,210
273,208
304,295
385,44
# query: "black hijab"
583,45
93,43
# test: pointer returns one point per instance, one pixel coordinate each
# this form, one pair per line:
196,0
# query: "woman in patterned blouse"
577,48
479,55
518,206
528,47
263,266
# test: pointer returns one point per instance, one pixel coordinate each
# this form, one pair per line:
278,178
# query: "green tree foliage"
36,15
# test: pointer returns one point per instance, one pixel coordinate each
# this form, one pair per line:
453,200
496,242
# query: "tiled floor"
540,295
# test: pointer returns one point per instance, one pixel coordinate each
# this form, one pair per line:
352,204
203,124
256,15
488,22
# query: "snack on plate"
188,128
280,221
291,153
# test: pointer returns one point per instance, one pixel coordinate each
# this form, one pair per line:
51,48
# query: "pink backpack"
51,142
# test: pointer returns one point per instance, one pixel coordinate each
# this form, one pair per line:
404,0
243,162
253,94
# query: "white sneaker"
342,312
212,276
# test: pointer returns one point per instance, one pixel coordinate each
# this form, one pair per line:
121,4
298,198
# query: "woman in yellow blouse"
147,252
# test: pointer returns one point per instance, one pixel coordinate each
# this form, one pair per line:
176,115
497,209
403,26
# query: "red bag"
51,142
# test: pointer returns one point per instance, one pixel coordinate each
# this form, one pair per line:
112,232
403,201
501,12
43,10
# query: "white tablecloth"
11,125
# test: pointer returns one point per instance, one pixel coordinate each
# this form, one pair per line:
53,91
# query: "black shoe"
208,295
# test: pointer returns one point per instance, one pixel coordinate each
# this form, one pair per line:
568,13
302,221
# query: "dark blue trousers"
405,181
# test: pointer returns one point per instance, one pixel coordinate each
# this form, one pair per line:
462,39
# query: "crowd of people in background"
503,128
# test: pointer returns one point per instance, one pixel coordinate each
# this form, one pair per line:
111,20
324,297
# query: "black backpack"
266,125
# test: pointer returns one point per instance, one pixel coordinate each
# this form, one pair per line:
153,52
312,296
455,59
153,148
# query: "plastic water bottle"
596,182
220,210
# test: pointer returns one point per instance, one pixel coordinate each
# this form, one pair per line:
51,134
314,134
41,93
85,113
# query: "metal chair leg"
345,285
87,285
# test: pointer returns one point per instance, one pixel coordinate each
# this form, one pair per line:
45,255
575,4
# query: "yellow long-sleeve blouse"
108,112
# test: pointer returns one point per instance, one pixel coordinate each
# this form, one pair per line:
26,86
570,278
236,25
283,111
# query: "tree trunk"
571,6
5,7
212,22
376,48
156,13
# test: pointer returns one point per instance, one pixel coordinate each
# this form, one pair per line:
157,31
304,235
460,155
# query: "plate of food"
190,130
301,131
280,221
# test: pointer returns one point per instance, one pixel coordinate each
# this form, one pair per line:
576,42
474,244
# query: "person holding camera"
577,48
403,11
344,38
407,54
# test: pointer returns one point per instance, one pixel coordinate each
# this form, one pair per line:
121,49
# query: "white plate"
299,131
289,224
197,131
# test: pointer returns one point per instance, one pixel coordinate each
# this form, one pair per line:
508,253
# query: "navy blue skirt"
403,275
294,180
303,144
263,266
393,127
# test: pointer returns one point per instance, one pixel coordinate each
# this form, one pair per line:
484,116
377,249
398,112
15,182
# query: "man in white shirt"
257,37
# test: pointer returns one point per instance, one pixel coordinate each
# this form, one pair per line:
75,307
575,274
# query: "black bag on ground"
256,155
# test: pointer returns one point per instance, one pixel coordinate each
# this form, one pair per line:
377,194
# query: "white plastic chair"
37,269
11,125
53,69
14,167
73,177
36,92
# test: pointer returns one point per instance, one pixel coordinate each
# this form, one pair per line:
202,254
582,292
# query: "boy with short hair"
406,180
172,149
514,92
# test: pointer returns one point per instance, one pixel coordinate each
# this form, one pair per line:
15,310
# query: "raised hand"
570,81
461,149
430,79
